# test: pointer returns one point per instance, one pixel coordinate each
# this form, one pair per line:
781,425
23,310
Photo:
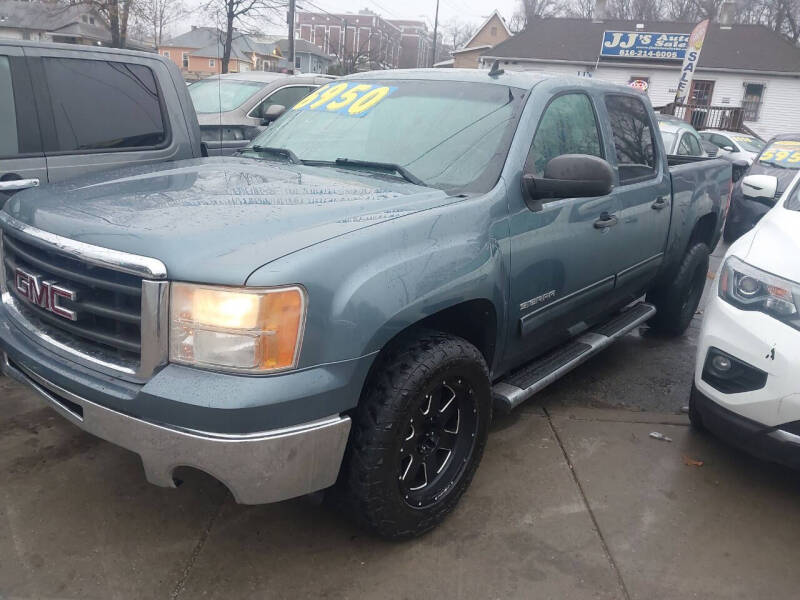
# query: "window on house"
128,116
185,60
8,116
493,31
751,103
568,126
26,35
702,92
212,63
633,138
85,18
296,62
166,53
91,20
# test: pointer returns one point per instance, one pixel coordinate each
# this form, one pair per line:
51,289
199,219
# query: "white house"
745,66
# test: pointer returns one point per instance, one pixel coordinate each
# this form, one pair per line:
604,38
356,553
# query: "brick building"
366,39
416,47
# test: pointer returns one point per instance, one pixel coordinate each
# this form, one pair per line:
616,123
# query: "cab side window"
104,105
568,126
633,138
286,97
9,144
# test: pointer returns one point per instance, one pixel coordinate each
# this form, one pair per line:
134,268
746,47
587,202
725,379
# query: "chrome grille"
107,304
113,307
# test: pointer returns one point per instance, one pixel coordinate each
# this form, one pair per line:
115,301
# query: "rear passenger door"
643,190
101,114
22,163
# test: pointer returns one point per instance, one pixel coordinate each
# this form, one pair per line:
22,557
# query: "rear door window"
633,138
9,141
104,105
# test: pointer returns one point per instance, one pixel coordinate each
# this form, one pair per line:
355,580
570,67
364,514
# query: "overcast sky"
473,11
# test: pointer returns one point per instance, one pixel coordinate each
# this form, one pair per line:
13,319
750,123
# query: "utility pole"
290,19
435,31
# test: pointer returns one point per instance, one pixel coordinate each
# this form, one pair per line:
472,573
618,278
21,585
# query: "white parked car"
733,145
747,375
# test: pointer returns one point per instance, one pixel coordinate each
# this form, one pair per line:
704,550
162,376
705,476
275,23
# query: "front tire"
678,299
418,435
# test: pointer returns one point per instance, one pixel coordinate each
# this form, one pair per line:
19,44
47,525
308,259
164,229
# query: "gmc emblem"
44,294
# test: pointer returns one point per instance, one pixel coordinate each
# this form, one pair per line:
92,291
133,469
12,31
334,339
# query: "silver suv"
233,109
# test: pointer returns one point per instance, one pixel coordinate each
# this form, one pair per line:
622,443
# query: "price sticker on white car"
346,98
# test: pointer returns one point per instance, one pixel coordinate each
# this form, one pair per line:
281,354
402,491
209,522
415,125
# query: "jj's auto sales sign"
642,44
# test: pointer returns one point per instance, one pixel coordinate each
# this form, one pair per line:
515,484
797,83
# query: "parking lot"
573,499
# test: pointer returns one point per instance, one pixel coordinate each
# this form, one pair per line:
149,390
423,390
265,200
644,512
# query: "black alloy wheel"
439,441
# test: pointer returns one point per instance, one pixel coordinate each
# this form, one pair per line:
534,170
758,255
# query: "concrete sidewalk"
569,502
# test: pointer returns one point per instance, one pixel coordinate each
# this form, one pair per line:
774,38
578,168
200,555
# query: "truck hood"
216,220
776,244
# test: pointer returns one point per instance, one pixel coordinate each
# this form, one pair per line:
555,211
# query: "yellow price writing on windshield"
780,157
345,98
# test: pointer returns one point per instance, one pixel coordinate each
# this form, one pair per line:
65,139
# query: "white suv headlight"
251,330
749,288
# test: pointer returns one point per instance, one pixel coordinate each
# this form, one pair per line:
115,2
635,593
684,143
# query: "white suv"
747,375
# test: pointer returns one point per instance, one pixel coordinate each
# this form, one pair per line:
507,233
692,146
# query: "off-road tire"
677,300
371,476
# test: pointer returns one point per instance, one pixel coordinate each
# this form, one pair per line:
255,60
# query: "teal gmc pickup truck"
344,303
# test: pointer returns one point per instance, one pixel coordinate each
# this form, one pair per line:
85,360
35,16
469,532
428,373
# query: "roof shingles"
740,48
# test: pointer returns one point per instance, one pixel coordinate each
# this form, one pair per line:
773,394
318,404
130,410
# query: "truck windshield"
446,134
216,95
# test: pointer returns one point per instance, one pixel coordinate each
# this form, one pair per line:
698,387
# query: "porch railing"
730,118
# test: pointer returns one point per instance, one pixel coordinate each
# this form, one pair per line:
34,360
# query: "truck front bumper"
257,468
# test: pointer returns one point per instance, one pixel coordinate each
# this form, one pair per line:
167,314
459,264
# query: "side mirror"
273,112
761,188
570,176
740,167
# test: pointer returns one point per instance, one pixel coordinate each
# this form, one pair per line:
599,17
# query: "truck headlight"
749,288
251,330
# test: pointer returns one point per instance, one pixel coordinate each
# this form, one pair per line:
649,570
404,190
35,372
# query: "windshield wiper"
381,166
284,152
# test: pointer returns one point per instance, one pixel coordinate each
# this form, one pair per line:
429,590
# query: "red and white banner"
690,61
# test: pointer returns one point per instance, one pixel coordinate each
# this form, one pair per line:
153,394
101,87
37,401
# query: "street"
573,500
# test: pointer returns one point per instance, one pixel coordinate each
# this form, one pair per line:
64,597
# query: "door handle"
18,184
659,204
605,221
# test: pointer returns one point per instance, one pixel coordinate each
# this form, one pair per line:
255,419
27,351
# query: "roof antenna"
496,70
